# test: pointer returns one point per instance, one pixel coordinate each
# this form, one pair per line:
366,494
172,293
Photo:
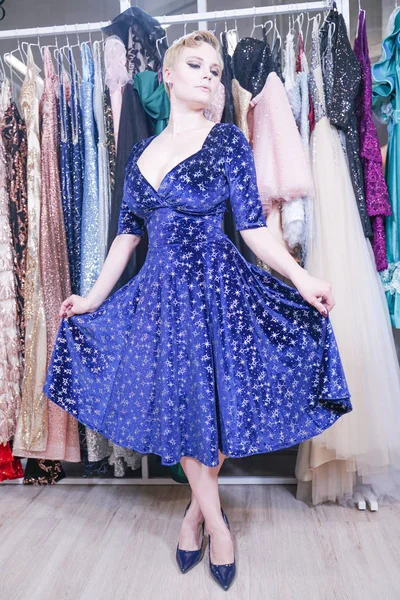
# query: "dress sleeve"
128,221
241,174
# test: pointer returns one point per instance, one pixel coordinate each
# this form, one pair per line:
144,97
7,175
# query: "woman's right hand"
75,305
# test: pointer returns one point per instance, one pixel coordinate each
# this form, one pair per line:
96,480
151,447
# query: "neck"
185,120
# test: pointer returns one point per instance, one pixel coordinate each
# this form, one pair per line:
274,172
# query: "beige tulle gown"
364,446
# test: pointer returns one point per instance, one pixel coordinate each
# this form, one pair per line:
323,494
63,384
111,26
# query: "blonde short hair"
191,40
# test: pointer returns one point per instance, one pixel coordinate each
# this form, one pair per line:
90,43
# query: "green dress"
386,104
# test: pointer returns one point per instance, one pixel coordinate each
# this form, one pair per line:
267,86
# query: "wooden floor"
118,543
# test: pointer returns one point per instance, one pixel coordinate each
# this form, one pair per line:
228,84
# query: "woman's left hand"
316,292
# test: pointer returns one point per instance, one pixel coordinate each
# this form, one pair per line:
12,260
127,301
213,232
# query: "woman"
201,355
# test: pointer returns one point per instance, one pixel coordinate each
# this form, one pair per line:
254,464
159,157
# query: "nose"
207,76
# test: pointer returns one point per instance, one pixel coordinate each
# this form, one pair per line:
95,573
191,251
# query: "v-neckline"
147,144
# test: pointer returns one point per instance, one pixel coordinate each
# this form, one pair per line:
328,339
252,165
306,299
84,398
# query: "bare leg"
204,484
194,510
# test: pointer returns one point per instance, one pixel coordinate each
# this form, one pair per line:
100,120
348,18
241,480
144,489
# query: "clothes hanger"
264,27
254,23
225,29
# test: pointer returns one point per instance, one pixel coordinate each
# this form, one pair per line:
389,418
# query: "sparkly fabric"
102,153
203,350
340,102
10,467
32,424
62,440
90,252
110,140
91,249
252,63
77,167
66,169
13,132
386,100
43,472
376,193
10,367
241,101
228,116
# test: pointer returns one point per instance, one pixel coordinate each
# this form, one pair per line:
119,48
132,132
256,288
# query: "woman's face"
195,75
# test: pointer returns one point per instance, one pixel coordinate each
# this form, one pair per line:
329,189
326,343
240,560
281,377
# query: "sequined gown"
13,131
32,425
364,446
340,106
201,350
63,438
10,365
376,193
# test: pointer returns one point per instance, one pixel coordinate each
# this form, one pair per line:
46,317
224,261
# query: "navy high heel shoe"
223,574
187,559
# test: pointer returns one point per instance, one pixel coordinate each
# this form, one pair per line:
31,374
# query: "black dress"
340,104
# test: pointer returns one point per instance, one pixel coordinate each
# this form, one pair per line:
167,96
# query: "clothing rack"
213,16
203,17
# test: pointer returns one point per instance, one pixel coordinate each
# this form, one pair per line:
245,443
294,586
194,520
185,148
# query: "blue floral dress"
201,350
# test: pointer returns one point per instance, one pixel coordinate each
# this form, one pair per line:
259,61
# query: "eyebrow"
202,60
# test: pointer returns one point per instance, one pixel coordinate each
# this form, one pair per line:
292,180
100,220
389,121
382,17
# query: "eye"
215,73
194,65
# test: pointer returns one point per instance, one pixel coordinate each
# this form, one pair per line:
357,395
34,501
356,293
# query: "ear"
167,74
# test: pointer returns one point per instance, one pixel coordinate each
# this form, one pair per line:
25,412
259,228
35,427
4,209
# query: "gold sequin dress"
32,424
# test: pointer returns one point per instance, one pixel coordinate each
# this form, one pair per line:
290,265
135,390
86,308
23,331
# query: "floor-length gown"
32,425
97,446
386,101
10,365
364,446
376,192
200,351
63,438
13,131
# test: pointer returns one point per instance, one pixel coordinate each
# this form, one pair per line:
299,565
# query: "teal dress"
386,104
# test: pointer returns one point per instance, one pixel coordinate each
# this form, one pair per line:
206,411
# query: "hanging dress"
10,365
32,425
293,212
203,350
364,446
63,439
91,253
103,165
386,100
376,193
13,131
340,107
116,77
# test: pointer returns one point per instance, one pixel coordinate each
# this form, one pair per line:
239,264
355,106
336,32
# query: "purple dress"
376,194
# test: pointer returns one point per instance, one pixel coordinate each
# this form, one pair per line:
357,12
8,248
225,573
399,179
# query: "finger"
319,306
328,301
